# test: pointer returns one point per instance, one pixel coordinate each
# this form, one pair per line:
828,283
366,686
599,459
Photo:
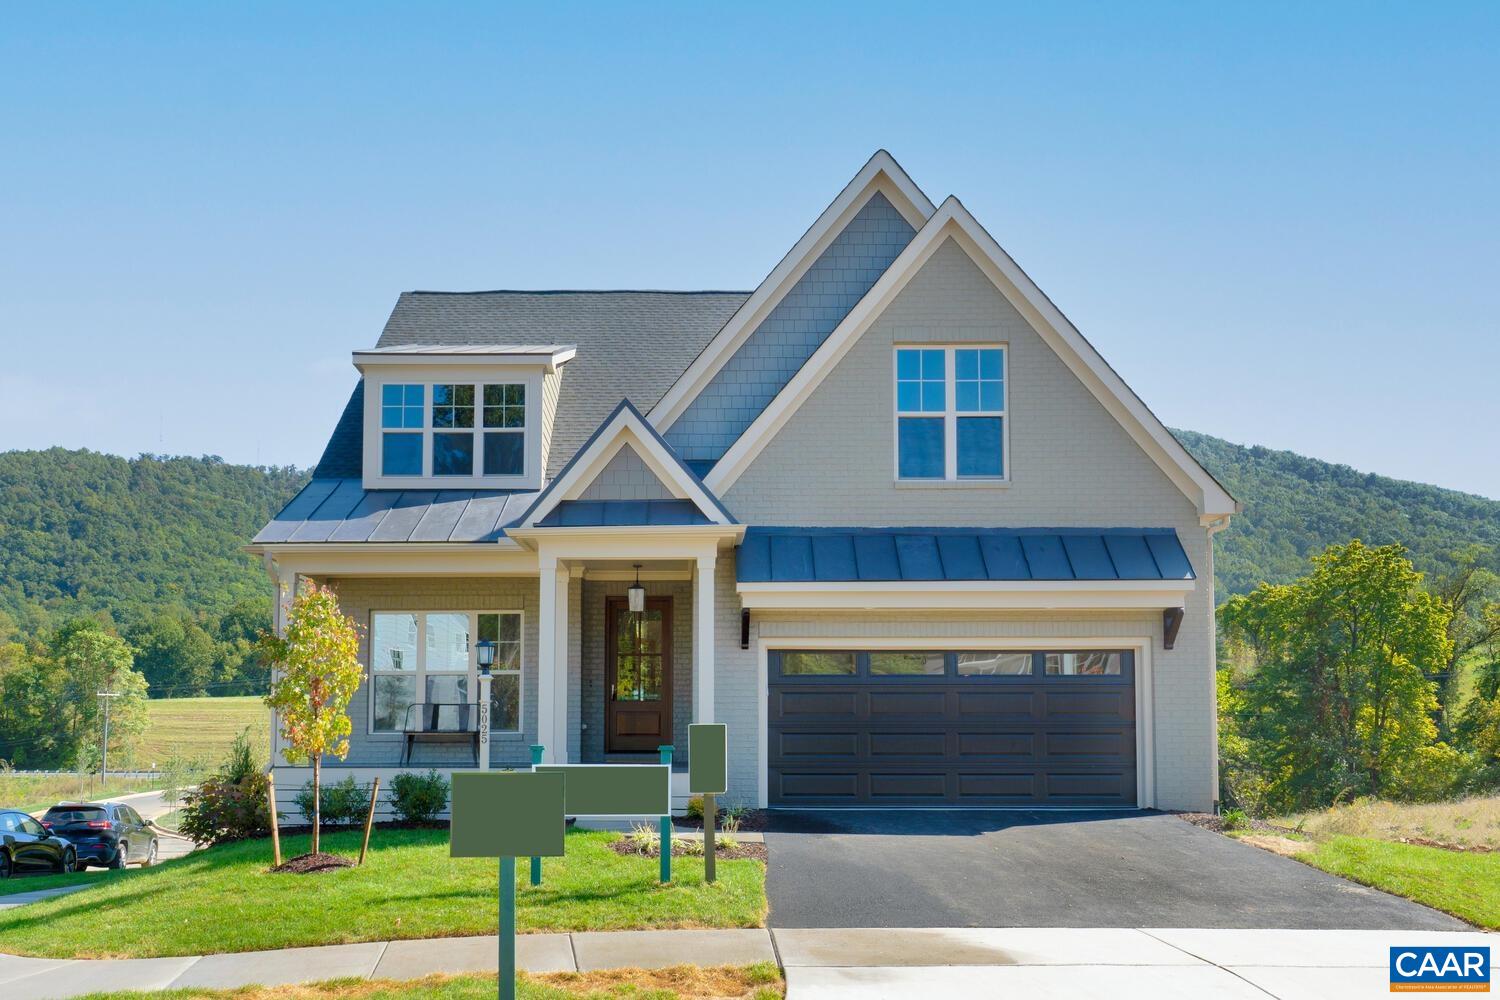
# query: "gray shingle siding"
795,328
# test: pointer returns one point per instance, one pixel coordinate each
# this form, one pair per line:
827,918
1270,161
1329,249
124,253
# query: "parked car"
27,846
106,834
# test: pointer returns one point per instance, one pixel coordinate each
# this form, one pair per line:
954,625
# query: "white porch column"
546,666
560,580
703,639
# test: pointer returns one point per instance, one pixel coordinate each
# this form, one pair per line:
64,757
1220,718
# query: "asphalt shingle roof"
631,345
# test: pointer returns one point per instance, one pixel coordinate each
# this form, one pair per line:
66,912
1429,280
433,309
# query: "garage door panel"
1014,740
885,744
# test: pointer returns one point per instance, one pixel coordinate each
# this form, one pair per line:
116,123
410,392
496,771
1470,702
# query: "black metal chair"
440,723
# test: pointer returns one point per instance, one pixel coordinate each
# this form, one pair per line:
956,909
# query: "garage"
873,728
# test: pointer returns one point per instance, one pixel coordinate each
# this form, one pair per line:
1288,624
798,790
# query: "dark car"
107,834
27,846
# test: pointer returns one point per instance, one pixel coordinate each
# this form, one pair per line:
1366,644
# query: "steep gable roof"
953,221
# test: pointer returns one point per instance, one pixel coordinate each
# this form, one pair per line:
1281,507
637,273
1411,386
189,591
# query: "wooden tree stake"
275,828
369,819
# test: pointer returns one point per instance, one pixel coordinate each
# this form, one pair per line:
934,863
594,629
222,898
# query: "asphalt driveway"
1053,869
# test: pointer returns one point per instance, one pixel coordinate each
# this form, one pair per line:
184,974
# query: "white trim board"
626,427
989,595
1145,688
883,174
953,221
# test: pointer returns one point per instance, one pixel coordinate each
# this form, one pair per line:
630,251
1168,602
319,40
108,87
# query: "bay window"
430,658
950,413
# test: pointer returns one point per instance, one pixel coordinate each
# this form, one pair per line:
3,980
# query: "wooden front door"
638,713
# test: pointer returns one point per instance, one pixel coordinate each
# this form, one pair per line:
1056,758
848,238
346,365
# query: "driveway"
1053,869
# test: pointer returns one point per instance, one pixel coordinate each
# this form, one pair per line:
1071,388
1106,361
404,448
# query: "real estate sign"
500,814
708,758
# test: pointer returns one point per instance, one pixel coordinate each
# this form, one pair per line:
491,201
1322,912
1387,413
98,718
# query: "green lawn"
1463,883
223,899
200,729
755,982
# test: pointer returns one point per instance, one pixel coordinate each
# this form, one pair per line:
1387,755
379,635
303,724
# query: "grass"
682,982
200,729
34,793
1465,884
224,900
1471,822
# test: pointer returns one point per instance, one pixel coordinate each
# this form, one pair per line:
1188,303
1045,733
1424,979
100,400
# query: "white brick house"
897,523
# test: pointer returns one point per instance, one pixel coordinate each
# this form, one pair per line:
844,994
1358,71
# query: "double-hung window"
469,429
950,413
430,658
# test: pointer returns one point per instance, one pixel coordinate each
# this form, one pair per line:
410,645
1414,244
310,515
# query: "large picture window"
950,413
429,657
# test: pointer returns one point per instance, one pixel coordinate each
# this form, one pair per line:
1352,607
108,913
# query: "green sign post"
708,776
618,790
505,815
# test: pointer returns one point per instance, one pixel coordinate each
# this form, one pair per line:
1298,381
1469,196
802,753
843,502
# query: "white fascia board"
625,429
953,220
549,358
505,558
969,595
883,174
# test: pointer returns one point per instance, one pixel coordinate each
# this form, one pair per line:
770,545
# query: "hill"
1296,506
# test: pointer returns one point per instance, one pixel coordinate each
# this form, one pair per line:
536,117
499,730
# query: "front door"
638,715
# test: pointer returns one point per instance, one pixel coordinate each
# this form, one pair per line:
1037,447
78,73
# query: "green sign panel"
708,758
614,789
507,814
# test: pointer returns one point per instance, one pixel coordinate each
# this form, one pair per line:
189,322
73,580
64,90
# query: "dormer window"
458,417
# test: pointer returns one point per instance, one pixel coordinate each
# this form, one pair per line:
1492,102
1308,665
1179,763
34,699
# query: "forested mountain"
1296,506
152,545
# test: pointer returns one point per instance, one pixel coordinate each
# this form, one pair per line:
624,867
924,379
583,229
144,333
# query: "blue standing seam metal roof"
845,555
622,513
342,510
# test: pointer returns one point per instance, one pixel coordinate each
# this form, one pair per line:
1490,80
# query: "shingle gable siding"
795,328
626,477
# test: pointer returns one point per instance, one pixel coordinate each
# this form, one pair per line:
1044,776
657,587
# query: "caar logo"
1440,970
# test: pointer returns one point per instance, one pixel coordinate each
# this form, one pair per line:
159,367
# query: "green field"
201,729
223,899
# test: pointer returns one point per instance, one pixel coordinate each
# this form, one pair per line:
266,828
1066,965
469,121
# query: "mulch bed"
628,848
1424,842
752,821
1209,821
312,864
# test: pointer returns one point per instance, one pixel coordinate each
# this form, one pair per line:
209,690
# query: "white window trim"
420,674
950,417
530,475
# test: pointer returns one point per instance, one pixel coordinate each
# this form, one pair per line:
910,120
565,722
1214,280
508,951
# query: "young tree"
317,671
1340,694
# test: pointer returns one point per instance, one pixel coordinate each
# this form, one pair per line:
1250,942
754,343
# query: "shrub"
344,802
418,798
1235,819
232,804
695,807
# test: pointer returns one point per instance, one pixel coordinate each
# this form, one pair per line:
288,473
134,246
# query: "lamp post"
486,651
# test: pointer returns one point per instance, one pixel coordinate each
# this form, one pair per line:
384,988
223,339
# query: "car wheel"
5,865
122,856
69,863
150,854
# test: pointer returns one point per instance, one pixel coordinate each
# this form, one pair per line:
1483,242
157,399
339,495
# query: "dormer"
458,416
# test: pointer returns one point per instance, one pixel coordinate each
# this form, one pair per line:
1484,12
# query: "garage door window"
1090,664
907,664
819,664
994,664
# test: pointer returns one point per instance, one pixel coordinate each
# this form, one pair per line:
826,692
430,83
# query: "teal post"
537,750
507,928
666,821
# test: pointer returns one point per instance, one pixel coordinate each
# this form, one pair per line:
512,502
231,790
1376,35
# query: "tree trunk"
317,816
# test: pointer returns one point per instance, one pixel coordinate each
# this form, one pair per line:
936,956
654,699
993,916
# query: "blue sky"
1278,222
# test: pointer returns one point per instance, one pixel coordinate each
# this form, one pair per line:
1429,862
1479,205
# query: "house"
898,525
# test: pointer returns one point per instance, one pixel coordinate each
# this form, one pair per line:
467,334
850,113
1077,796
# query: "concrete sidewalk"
825,963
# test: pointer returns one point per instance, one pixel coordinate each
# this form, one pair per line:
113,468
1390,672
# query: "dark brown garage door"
952,728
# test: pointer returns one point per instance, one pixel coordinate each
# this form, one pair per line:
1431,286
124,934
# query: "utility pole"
104,750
